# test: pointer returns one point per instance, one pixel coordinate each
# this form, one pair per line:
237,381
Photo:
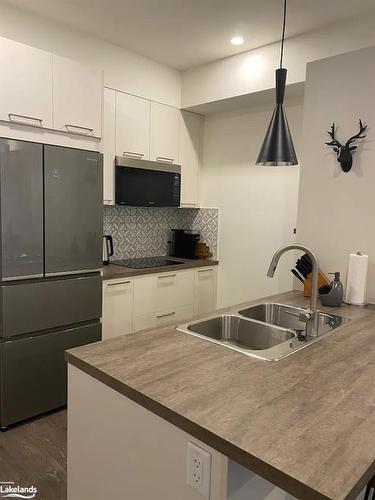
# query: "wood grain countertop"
305,423
112,271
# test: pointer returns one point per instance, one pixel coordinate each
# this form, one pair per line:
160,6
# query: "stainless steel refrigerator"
51,255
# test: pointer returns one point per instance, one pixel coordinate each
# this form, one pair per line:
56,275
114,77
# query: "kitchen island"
304,424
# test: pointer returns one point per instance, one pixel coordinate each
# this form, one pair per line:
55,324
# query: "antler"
362,128
334,141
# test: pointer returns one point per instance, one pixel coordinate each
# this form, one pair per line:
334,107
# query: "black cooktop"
146,262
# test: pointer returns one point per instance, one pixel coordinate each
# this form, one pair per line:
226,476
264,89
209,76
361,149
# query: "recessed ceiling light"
237,40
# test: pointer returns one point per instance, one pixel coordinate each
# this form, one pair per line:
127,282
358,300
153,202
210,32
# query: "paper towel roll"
356,279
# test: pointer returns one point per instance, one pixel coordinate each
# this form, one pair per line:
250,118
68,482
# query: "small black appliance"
183,243
143,183
107,248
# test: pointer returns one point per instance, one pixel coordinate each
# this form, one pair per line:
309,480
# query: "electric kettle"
107,248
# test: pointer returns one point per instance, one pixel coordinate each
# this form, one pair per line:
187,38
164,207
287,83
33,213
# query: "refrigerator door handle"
25,277
80,271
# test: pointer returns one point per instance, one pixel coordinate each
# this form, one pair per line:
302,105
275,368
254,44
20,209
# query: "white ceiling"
186,33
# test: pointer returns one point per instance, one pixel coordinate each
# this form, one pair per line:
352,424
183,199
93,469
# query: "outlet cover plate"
199,469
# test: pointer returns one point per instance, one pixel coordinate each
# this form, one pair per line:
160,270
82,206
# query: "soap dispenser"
333,294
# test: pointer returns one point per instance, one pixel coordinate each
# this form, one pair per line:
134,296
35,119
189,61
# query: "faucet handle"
304,316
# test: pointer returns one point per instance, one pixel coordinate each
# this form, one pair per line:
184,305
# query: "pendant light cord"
283,36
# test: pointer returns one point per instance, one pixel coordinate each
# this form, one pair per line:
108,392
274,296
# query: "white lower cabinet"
117,308
155,300
205,290
162,318
159,292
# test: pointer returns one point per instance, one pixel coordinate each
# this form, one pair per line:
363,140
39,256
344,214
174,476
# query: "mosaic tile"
144,232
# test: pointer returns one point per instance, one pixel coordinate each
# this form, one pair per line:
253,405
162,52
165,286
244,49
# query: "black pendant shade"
277,148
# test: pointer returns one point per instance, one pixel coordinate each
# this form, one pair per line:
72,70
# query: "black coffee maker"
182,243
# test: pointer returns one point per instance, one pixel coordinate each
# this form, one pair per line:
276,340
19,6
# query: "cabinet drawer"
163,291
30,307
117,308
33,371
163,318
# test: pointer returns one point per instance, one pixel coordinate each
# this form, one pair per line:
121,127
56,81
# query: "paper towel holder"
355,293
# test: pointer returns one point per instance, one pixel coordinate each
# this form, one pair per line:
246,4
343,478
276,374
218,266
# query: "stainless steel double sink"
267,331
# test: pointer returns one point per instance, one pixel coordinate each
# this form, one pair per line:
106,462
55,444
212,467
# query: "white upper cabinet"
191,126
25,84
108,145
165,133
132,126
77,97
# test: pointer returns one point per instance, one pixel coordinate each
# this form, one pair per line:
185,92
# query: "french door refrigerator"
50,258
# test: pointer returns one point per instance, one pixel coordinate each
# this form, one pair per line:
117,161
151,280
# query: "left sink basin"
253,338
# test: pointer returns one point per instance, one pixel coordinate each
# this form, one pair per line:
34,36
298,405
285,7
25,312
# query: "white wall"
257,205
336,213
254,71
123,69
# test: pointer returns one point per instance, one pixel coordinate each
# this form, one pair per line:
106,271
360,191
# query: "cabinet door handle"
79,127
130,153
38,120
164,159
119,283
167,276
165,315
204,270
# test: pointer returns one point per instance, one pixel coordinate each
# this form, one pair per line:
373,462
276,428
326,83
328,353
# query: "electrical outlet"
199,469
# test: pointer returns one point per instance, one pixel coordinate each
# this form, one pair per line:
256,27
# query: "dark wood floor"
34,453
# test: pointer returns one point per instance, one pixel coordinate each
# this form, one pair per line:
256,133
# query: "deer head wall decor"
344,152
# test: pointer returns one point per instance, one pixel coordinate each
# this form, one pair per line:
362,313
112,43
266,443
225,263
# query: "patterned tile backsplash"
144,232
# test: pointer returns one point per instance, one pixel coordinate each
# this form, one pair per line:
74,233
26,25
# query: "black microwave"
143,183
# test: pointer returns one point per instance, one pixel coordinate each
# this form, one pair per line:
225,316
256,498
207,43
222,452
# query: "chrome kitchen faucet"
309,316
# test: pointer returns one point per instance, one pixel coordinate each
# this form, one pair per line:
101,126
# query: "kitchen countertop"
111,271
305,423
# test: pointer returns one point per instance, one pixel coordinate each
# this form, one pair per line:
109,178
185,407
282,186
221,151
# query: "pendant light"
277,148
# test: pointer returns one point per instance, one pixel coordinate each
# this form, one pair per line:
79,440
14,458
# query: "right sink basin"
287,317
